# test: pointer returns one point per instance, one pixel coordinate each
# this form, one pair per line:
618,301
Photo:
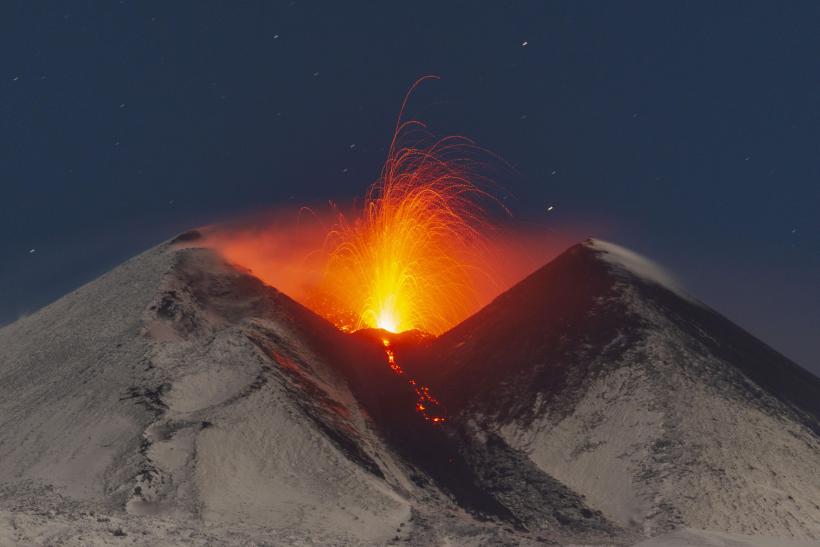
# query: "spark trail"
411,255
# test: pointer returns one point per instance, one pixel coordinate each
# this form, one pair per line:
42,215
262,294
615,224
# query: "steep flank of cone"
589,297
658,410
532,333
179,387
776,374
63,372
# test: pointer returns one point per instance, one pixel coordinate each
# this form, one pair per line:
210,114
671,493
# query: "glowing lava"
427,405
410,256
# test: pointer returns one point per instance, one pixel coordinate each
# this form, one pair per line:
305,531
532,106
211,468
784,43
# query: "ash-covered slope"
657,409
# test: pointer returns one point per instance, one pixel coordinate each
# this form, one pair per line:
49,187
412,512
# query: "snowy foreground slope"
178,400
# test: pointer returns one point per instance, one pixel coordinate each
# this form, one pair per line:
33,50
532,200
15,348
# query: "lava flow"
427,405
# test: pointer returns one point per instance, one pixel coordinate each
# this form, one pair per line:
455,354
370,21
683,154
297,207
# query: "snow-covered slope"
657,409
179,387
178,399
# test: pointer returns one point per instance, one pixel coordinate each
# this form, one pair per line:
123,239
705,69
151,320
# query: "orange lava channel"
427,405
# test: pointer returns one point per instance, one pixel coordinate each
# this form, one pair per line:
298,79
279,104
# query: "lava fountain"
409,257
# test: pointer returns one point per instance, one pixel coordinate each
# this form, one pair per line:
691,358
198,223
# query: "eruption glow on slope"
409,258
414,255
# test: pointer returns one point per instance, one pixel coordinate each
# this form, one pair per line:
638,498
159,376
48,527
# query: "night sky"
688,131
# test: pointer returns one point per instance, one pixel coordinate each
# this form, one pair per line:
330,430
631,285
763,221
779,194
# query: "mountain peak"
624,262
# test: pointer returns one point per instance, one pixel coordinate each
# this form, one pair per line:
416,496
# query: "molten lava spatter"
427,405
410,258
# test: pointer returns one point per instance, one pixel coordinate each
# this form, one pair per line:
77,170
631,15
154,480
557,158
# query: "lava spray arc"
408,259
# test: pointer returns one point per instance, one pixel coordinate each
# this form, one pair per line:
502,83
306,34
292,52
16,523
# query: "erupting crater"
413,255
409,257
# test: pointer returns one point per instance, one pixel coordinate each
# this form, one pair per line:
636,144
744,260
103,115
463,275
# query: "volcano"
179,399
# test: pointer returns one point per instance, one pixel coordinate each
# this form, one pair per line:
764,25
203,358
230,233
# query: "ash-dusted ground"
177,400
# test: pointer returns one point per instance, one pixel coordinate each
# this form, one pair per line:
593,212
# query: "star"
32,251
524,43
550,208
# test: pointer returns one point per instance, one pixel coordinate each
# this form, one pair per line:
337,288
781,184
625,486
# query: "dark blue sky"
689,131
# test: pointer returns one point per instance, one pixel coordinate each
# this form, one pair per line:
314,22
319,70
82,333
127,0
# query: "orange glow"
410,257
414,255
419,252
280,249
426,405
